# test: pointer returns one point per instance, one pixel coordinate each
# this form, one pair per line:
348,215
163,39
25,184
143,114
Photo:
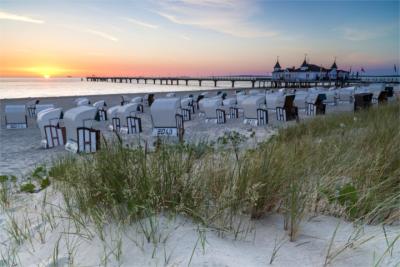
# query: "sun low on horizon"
85,38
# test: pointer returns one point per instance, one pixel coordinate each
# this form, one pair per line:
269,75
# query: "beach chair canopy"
127,110
113,111
50,116
170,95
300,99
210,106
81,101
42,107
15,114
250,105
81,116
185,102
137,99
99,104
229,102
240,98
275,100
163,111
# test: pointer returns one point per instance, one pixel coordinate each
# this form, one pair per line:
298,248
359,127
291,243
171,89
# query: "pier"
255,81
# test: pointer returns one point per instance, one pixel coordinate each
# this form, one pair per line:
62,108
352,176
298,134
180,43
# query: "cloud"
362,34
9,16
102,34
230,17
184,37
141,23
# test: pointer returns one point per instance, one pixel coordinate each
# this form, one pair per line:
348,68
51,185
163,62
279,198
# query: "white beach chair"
101,110
15,117
115,122
81,136
212,109
128,117
50,130
187,108
254,111
170,95
31,107
165,117
283,105
346,95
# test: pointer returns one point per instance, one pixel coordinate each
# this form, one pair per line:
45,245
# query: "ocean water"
53,87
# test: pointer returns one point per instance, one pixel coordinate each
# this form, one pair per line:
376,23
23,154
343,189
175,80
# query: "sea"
52,87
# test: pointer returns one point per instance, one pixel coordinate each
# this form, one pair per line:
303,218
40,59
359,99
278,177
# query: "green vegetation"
345,165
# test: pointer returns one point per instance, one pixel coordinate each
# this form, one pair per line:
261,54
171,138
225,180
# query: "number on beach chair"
134,125
262,116
221,116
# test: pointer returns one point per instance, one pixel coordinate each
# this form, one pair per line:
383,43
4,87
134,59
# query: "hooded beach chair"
149,99
166,117
125,99
170,94
101,110
187,108
115,121
81,136
50,130
212,109
138,100
254,111
15,117
31,107
283,105
129,121
41,107
315,103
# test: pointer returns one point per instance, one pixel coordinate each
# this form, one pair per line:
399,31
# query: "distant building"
308,72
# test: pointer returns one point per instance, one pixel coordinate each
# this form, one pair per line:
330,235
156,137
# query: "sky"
194,37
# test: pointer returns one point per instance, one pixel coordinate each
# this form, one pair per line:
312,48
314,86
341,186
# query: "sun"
46,76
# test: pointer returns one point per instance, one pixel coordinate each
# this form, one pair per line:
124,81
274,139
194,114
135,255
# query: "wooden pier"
255,81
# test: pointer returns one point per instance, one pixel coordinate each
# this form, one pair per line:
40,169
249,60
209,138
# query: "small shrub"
28,188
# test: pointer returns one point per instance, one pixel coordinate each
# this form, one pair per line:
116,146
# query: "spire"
304,65
334,66
277,65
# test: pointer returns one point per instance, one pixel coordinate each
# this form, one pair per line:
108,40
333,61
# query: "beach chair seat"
362,101
15,117
251,106
48,122
210,106
166,119
80,134
315,103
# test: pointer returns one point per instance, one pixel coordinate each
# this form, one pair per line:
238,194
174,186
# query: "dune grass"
345,165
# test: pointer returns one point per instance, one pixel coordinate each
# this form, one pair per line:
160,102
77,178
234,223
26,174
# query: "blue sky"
195,37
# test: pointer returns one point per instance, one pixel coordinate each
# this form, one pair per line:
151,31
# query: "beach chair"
229,105
15,117
315,103
129,121
138,100
166,119
254,110
42,107
50,130
362,101
101,110
212,109
81,136
31,107
282,105
346,95
82,101
115,122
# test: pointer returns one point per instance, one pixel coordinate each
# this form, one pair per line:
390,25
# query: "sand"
178,239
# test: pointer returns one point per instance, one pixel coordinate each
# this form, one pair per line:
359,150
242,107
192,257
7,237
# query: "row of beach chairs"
75,130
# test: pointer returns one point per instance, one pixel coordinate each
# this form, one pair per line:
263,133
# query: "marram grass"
346,165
